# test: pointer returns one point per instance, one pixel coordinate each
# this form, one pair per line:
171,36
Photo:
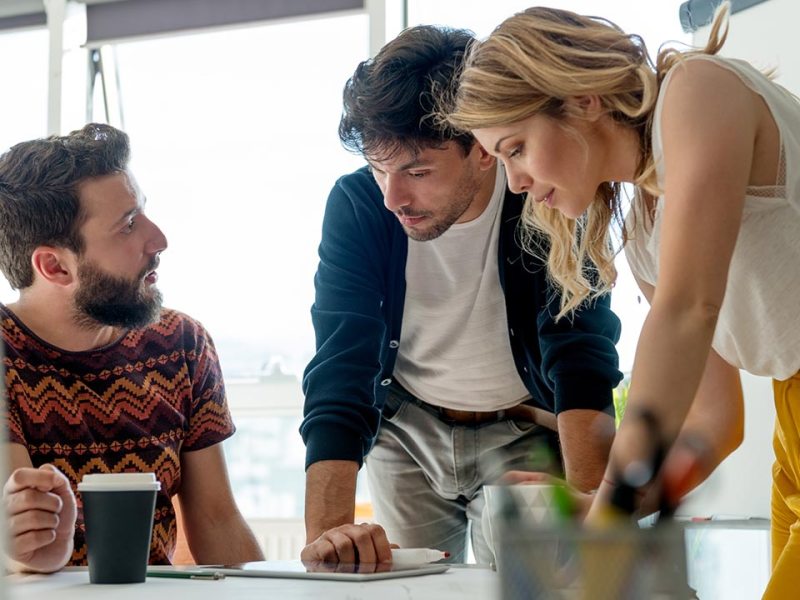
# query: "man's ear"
485,160
54,265
588,107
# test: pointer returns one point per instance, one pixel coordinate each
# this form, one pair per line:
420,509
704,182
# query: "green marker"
563,503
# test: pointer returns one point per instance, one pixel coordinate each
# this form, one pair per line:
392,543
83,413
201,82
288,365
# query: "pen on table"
416,556
200,575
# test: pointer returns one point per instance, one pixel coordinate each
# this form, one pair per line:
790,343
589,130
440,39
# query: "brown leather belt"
521,412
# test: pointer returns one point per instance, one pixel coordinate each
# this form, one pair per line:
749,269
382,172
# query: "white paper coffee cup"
118,513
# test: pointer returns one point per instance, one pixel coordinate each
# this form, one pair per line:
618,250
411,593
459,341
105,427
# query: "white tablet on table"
295,569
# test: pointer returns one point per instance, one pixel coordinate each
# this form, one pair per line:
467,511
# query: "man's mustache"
411,214
151,266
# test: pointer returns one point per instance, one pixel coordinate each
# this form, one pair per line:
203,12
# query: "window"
23,102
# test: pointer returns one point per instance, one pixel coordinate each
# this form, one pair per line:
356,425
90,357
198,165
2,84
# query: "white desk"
458,583
728,560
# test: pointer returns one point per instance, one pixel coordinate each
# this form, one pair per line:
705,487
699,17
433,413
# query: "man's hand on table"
41,512
363,543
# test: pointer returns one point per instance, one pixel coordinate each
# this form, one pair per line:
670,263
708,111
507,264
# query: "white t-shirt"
454,348
759,324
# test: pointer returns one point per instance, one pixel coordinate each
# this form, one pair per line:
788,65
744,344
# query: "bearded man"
99,377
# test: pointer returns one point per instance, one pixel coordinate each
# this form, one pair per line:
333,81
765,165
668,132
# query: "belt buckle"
476,418
485,417
450,416
447,416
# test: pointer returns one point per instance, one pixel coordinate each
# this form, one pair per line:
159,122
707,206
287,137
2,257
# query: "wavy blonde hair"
530,65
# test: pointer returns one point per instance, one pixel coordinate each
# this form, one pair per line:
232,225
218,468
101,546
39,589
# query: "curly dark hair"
39,202
390,102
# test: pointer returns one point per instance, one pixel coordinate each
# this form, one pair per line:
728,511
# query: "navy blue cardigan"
358,313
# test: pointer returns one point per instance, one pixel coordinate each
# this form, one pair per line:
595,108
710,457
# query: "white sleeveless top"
454,348
759,324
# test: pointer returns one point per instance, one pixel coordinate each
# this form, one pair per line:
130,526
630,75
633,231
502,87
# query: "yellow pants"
785,580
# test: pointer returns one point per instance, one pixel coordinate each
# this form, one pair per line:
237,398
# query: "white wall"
766,35
741,484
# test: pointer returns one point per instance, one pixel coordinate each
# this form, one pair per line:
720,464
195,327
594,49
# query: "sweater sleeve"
209,418
579,356
340,416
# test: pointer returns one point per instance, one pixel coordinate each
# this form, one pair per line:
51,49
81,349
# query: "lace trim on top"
772,191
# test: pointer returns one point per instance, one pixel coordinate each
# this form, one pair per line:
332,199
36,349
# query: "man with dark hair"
438,355
100,378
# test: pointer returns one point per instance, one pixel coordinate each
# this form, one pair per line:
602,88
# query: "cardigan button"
386,382
394,344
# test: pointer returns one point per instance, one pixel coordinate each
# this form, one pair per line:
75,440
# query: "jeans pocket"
521,427
393,407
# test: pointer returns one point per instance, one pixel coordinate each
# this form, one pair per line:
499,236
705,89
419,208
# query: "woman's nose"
519,183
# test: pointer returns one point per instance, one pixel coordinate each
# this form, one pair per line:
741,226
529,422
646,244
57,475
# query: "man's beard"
104,299
468,188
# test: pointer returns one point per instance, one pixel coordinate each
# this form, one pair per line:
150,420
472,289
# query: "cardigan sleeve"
340,413
579,356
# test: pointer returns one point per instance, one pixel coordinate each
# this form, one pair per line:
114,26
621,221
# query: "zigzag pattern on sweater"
133,405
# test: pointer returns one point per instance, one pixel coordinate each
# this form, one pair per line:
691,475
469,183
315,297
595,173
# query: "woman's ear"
587,107
53,265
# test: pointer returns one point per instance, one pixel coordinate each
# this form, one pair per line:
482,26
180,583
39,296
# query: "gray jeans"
426,476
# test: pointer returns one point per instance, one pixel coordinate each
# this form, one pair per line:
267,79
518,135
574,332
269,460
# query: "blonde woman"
572,107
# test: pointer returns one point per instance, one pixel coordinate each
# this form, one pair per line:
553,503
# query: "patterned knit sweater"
133,405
